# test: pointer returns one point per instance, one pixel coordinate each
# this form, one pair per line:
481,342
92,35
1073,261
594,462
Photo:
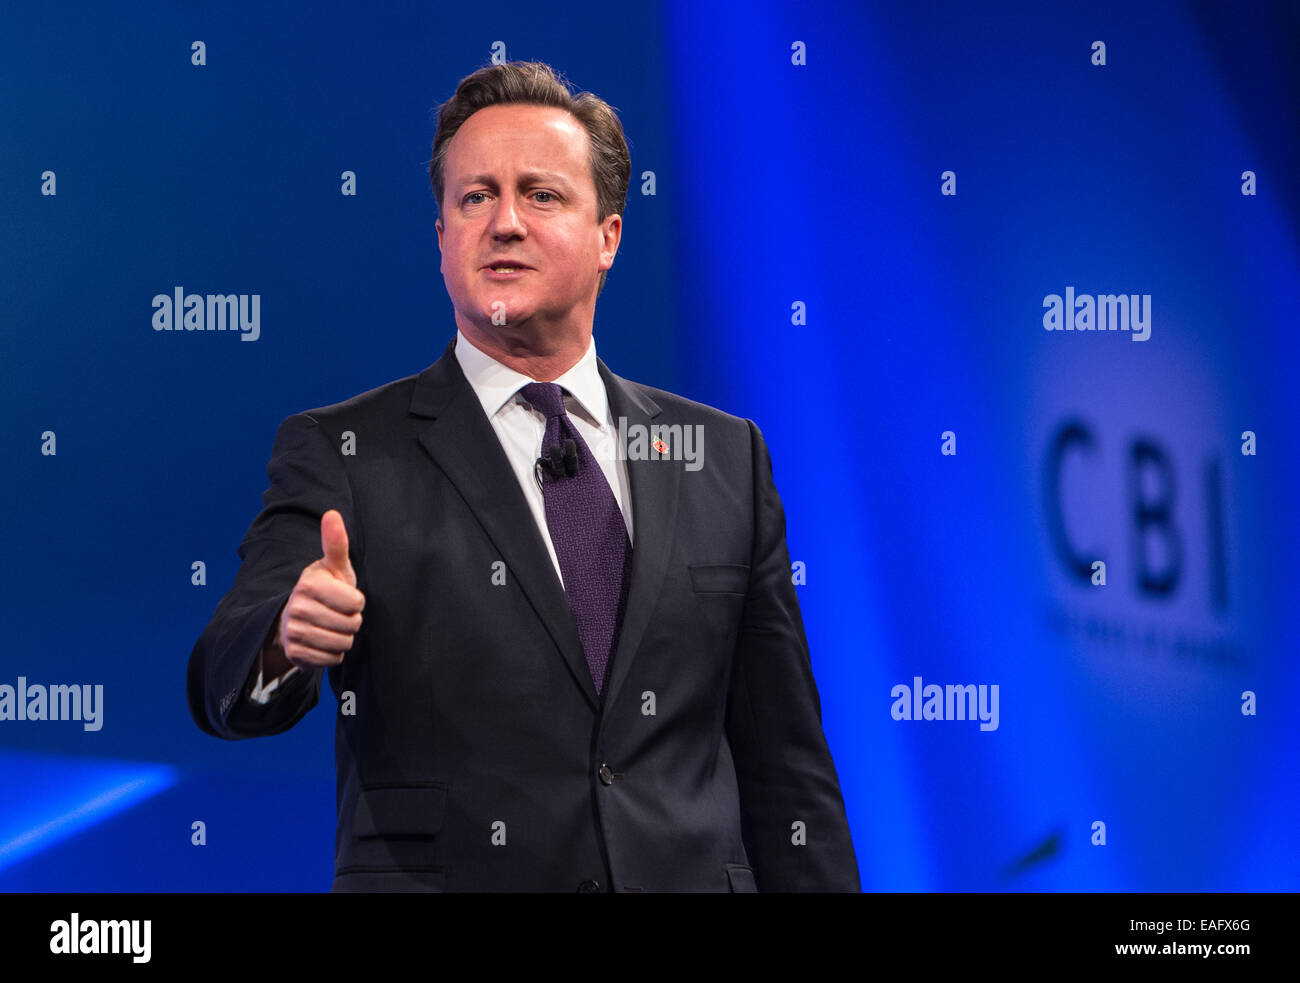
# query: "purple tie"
587,531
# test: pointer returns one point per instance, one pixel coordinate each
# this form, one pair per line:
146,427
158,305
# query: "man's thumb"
334,546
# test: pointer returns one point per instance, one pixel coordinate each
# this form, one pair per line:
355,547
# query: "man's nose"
505,219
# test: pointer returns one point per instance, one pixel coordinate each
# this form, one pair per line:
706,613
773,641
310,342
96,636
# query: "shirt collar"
495,384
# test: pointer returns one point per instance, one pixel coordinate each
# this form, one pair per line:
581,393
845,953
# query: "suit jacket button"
589,887
606,774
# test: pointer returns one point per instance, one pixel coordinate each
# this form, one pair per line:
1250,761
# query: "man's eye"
550,197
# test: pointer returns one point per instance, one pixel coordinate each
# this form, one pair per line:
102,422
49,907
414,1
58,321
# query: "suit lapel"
463,444
461,441
654,491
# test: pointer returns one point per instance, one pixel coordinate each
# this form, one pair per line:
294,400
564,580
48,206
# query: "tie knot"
547,397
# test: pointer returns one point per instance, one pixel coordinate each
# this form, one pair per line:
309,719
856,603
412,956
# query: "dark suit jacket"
478,756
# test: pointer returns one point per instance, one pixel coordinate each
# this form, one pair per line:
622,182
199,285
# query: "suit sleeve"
783,765
307,480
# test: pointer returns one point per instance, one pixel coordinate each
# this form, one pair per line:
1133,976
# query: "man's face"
518,187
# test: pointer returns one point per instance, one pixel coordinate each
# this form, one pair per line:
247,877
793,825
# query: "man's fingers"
300,635
309,658
325,587
334,547
311,611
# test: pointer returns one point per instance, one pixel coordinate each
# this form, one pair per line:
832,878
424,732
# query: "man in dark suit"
560,627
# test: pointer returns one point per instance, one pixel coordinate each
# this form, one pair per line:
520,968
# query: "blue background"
775,184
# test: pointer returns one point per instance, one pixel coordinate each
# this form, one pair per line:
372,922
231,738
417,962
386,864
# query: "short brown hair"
535,83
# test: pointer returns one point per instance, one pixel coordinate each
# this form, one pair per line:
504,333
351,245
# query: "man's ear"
438,225
611,235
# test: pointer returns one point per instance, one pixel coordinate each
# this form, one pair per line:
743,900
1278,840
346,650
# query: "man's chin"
496,316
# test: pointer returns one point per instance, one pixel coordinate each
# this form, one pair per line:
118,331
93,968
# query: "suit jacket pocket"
741,879
399,810
720,578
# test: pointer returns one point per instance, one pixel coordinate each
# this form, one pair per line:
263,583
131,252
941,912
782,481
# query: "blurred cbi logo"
1138,518
1168,527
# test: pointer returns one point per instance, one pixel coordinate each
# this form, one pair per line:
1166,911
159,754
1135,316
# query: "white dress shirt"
520,428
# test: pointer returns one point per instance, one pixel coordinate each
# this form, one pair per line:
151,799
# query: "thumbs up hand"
323,614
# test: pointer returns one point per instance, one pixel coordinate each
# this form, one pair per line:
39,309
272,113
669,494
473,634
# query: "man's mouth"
504,272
